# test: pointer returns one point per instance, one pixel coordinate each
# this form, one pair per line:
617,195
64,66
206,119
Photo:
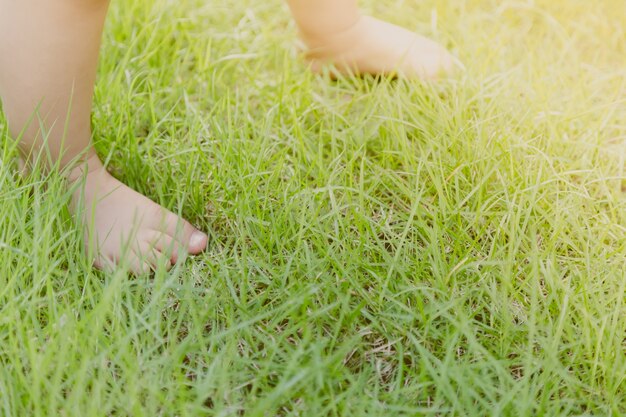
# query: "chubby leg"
336,33
48,59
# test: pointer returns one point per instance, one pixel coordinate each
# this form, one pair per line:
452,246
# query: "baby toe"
190,238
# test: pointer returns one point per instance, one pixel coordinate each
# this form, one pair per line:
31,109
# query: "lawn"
378,247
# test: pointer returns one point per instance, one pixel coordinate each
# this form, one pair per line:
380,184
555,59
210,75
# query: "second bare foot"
372,46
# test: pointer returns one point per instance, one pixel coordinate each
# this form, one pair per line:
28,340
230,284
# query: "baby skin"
122,221
338,35
48,61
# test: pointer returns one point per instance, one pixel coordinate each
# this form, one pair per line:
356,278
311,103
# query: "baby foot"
123,225
372,46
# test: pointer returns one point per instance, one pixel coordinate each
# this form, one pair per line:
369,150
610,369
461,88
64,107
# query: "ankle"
316,38
84,167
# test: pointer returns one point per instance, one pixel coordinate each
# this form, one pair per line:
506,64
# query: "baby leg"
48,59
336,33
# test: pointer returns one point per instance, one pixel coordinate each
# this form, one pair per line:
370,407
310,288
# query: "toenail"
197,239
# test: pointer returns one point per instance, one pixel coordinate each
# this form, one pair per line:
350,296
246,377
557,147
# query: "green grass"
378,248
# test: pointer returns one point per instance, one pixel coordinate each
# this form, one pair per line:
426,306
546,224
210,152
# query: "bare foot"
372,46
122,225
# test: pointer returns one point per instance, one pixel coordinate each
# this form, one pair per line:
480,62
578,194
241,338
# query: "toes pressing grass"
378,248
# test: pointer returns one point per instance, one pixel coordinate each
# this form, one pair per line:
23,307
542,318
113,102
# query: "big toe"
446,62
190,238
197,242
431,68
